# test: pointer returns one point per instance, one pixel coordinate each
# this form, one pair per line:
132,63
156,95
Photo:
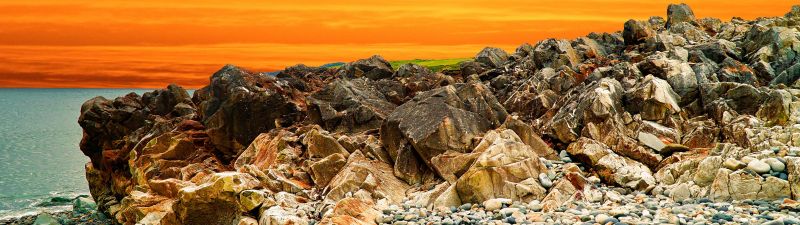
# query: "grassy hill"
434,64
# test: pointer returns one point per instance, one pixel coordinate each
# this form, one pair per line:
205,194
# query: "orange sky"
149,43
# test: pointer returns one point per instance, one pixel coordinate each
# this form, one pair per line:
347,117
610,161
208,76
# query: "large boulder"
637,32
612,168
238,105
374,68
444,119
653,99
679,13
214,201
349,106
491,57
373,177
505,168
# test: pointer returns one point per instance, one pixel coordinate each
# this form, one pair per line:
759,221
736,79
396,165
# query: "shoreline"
78,210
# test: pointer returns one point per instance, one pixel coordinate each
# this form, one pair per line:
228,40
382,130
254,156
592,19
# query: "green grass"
436,65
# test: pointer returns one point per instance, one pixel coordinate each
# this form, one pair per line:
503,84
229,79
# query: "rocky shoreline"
83,210
672,120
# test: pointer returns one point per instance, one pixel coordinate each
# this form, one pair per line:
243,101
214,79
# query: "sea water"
39,154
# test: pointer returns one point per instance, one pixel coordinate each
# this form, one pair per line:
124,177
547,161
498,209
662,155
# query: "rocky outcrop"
682,110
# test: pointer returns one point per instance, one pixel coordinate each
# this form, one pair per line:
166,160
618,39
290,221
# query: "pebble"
758,166
495,204
545,181
775,164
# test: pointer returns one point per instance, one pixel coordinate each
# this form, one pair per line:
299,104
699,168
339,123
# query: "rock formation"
679,107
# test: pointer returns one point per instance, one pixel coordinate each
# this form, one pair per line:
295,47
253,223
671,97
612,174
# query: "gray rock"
775,164
758,166
492,57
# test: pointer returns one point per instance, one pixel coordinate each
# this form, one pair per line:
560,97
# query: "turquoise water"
39,154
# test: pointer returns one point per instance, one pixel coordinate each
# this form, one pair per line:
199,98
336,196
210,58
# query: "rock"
733,164
84,205
707,170
352,211
774,188
545,181
679,13
495,203
437,121
527,135
349,106
213,202
653,98
636,32
325,169
505,169
491,57
758,166
46,219
612,168
743,185
277,215
374,68
775,164
673,148
651,141
680,193
451,164
238,105
251,199
374,177
320,144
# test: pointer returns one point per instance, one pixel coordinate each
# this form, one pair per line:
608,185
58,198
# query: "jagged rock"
277,215
351,211
325,169
679,13
571,186
527,135
349,106
612,168
238,105
492,57
451,164
443,119
507,168
554,53
374,177
776,109
653,98
319,144
636,32
374,68
213,202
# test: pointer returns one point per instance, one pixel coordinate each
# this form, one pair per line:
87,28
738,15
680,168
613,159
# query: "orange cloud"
148,43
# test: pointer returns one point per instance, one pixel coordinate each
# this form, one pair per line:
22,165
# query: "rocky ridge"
701,116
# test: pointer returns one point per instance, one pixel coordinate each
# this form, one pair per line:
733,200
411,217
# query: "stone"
651,141
215,201
672,148
320,144
636,32
495,203
653,98
374,68
743,185
529,137
352,211
325,169
612,168
238,105
733,164
46,219
680,192
545,181
507,168
372,176
277,215
444,119
352,106
491,57
679,13
758,166
775,164
251,199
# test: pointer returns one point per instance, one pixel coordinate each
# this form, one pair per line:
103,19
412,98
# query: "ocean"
39,154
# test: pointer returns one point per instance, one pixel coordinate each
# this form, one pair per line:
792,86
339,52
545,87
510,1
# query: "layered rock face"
682,107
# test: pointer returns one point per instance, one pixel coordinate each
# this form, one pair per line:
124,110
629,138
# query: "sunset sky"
149,43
